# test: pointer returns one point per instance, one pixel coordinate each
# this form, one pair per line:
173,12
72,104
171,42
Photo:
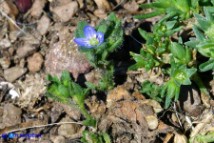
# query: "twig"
40,126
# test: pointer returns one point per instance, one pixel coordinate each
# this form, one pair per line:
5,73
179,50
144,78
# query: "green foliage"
152,90
207,138
181,9
204,41
157,47
180,53
113,38
65,90
99,56
179,75
89,137
176,61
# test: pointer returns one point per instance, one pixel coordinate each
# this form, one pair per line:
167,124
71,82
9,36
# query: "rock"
66,12
180,138
5,43
58,139
152,122
131,6
43,25
68,130
37,8
72,111
100,13
5,62
9,8
25,50
35,62
103,4
61,57
14,73
11,115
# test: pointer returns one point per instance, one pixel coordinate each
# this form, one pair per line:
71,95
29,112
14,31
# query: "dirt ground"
36,39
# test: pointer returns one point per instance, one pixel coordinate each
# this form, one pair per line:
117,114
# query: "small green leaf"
63,91
80,32
89,122
209,65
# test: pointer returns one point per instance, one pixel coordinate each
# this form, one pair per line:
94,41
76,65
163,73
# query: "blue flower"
91,39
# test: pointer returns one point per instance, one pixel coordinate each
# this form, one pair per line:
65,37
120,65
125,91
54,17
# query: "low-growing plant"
65,90
97,44
204,41
176,61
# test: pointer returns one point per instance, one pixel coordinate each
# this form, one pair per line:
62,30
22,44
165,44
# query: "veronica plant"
65,90
175,60
156,50
204,41
179,9
97,44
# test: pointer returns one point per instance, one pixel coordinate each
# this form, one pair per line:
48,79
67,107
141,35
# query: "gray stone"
14,73
11,115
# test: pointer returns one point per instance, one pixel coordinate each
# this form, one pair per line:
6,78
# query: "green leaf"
53,79
79,33
181,74
144,34
149,15
106,138
89,122
181,53
209,65
202,22
63,91
206,48
152,90
199,35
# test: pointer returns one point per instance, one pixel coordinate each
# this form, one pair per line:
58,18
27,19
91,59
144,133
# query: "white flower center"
93,41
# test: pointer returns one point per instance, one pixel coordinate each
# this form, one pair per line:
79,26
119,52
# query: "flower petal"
100,37
82,42
89,32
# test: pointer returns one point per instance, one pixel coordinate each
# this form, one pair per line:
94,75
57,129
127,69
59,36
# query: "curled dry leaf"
118,93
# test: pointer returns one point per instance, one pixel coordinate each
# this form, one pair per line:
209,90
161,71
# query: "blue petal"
83,42
100,37
89,32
